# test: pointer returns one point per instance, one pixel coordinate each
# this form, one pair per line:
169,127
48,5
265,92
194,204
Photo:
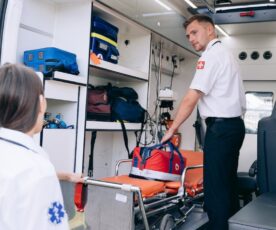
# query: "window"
3,6
258,105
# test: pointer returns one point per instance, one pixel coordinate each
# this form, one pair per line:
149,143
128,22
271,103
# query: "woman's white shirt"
30,194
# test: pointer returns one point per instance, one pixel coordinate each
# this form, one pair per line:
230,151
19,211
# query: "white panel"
248,152
181,83
102,154
28,40
61,91
117,69
72,31
70,77
136,54
39,14
60,145
259,69
106,155
119,151
100,125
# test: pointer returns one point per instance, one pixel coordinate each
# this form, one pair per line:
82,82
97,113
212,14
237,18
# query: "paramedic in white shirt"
218,90
30,194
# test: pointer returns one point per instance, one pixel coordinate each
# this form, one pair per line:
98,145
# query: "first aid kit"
49,59
156,163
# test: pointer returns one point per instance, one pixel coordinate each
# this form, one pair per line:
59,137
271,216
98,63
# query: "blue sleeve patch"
56,213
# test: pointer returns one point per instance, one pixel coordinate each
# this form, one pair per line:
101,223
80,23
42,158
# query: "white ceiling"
236,29
150,13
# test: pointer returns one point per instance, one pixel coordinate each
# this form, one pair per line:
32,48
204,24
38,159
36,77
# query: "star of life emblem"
56,213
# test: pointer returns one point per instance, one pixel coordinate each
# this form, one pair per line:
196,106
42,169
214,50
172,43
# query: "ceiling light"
163,4
238,7
221,30
191,4
272,0
158,14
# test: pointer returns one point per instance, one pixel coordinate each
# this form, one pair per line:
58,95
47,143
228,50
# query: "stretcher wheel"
167,222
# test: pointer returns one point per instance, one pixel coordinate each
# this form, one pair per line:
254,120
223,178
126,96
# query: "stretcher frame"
157,204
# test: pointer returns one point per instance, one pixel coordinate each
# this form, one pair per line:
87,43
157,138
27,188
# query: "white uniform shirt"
218,77
30,194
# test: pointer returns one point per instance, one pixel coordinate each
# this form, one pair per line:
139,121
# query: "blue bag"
47,60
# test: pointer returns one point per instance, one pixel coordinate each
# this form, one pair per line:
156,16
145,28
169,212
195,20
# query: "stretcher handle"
119,162
182,189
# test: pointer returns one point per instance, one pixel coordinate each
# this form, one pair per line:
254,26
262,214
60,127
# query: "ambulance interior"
158,62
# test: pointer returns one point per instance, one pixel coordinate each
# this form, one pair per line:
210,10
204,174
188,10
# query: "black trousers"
223,140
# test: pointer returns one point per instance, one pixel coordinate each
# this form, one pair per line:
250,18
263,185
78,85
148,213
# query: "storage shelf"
106,126
69,78
59,132
115,71
58,90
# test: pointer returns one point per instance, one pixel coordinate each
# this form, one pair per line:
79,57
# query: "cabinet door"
62,98
60,144
64,25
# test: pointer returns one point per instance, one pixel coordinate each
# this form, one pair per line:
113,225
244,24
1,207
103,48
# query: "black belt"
210,120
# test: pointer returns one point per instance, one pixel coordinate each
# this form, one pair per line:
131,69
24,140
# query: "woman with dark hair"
30,195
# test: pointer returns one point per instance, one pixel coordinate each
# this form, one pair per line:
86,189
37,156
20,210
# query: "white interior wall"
109,148
258,75
180,85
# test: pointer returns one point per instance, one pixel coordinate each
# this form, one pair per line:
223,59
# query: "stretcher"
124,203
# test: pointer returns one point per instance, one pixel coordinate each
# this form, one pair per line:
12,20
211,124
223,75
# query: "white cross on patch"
200,64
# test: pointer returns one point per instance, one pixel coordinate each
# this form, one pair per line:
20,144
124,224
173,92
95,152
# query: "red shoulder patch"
200,65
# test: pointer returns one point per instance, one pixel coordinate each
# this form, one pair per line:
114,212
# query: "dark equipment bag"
98,103
127,110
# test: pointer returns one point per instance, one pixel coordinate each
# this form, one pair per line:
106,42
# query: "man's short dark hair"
199,18
20,88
